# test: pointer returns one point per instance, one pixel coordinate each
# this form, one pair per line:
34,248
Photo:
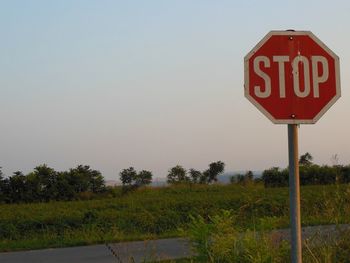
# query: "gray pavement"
152,250
139,251
86,254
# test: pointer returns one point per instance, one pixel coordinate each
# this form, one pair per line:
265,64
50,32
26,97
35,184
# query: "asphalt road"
87,254
139,251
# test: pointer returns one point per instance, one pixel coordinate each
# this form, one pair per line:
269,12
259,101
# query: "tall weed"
219,240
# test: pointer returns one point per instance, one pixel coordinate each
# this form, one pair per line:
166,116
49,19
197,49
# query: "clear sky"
153,84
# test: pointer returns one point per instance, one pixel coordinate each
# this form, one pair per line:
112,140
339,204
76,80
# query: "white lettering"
281,75
315,77
296,76
264,91
257,89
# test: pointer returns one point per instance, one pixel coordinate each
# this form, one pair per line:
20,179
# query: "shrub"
219,240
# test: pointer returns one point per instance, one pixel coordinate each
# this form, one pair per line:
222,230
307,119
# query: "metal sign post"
294,193
293,78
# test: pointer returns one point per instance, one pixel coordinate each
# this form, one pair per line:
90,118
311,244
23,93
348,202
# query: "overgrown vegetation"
149,213
39,213
218,239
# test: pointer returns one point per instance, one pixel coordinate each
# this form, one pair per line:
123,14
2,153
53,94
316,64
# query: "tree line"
132,179
45,184
310,174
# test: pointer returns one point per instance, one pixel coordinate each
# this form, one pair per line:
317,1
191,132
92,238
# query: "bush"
219,240
311,174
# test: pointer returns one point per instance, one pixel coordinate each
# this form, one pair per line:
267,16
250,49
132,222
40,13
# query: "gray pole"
294,193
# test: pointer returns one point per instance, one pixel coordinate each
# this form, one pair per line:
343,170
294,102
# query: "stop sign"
292,77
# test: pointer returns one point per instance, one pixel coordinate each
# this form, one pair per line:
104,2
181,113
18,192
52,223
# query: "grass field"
151,213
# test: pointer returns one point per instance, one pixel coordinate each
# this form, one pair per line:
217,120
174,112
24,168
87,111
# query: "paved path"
140,251
87,254
152,250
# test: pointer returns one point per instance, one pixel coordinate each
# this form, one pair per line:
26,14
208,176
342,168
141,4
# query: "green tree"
97,182
2,187
275,177
143,178
195,176
306,159
177,174
211,175
345,174
132,180
65,190
85,179
47,178
128,176
17,187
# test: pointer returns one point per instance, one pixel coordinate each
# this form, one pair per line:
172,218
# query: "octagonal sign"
292,77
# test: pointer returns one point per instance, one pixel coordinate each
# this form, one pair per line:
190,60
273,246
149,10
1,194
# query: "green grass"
151,213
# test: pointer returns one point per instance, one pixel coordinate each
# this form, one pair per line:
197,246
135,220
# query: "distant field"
159,212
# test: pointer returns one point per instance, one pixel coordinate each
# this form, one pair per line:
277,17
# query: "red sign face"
292,77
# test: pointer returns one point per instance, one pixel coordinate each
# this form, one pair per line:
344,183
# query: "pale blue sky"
152,84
